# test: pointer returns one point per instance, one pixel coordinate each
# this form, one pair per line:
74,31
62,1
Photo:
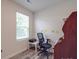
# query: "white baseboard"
9,56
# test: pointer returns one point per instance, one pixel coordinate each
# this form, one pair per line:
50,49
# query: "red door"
67,49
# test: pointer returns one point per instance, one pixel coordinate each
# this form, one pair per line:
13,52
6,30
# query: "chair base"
45,53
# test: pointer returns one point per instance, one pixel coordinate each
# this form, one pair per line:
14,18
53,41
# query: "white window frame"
23,37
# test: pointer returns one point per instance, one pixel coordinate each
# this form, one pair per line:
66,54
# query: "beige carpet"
30,55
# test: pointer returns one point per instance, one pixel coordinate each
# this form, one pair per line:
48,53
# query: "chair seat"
45,45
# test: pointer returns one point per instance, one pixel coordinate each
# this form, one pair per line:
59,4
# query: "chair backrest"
40,37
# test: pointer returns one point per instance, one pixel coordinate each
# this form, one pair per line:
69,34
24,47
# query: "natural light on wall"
22,26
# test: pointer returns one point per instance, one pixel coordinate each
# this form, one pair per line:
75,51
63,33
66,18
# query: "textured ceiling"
36,5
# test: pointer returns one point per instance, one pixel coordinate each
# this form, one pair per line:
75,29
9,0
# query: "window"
22,26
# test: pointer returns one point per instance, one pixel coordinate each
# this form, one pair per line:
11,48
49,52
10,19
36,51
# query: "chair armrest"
49,40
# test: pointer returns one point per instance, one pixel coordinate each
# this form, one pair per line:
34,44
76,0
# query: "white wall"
9,44
50,20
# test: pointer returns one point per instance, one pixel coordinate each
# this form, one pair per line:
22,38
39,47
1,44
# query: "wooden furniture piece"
67,49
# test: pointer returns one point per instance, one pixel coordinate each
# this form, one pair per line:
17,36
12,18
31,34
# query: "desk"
35,44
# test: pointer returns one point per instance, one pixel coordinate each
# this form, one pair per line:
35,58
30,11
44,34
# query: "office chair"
43,46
